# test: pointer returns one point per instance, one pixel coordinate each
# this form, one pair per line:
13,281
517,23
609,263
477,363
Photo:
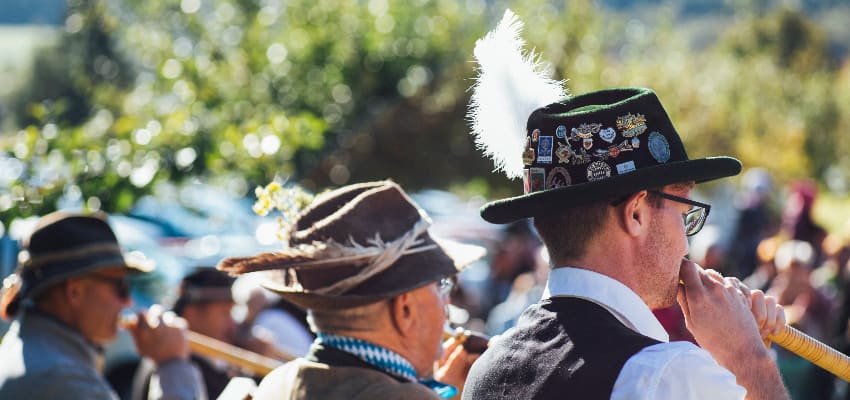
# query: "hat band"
385,255
80,252
198,295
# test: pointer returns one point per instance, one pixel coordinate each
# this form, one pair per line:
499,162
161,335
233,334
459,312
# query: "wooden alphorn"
259,364
206,346
813,350
245,359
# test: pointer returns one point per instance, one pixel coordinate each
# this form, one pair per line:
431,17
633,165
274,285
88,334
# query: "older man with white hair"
376,286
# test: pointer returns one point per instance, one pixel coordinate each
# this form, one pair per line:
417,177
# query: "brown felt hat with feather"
357,245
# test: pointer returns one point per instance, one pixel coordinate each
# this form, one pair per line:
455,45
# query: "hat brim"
73,268
548,201
407,274
58,272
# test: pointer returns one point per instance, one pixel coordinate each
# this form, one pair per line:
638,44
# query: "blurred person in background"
285,326
525,291
206,303
376,287
517,252
829,277
797,219
807,309
269,324
755,221
68,292
765,272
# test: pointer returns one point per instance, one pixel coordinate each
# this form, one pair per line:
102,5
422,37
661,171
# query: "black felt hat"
61,246
204,285
599,146
357,245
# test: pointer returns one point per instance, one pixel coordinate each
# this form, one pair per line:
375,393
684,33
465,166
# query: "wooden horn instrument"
473,342
245,359
209,347
813,350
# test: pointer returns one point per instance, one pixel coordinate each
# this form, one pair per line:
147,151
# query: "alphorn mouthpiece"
473,342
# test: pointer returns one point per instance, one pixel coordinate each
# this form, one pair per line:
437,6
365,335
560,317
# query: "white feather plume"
510,85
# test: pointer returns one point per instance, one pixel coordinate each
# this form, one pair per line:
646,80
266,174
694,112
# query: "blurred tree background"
327,92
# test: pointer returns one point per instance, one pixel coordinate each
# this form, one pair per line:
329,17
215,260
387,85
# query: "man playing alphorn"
376,285
614,210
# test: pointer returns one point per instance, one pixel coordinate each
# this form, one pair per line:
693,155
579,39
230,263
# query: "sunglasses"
120,286
693,219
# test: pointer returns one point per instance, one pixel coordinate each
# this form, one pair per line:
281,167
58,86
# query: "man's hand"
770,316
454,365
160,336
731,322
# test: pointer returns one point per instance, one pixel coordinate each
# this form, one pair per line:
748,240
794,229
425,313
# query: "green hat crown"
595,136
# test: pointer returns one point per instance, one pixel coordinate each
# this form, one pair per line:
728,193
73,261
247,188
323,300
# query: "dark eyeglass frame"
120,286
693,227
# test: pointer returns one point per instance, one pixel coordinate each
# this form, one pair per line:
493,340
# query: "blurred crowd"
775,245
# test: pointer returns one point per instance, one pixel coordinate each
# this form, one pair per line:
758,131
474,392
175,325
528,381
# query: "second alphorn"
245,359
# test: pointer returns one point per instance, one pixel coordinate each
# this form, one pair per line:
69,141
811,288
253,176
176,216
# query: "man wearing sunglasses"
68,292
614,212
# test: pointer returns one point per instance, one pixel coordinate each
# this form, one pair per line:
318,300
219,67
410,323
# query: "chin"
105,338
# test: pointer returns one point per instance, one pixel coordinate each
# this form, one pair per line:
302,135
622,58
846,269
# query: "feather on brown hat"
357,245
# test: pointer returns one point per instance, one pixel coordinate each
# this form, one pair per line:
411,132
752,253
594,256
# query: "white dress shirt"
668,370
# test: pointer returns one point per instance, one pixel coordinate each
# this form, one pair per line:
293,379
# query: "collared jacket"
330,374
43,359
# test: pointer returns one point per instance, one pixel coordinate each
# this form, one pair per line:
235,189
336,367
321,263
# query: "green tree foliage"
327,92
242,92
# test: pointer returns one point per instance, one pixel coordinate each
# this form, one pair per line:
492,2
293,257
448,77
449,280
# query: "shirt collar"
384,359
380,357
60,334
616,297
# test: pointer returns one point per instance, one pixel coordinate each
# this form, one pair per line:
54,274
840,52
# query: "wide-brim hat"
63,245
204,285
600,146
354,246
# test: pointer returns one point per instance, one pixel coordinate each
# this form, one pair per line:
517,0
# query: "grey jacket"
42,359
301,379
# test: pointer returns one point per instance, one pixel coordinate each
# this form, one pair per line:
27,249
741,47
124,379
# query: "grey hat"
61,246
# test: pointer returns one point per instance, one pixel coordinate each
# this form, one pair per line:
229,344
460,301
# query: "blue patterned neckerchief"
383,359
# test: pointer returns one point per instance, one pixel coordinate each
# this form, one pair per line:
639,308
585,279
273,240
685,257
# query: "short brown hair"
567,233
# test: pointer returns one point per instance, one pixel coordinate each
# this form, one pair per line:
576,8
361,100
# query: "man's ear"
74,291
634,213
401,311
